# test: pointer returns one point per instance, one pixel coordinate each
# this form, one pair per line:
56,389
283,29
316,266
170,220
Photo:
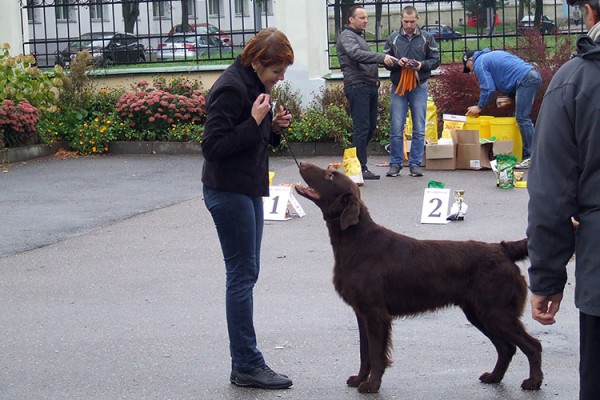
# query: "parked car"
107,48
441,32
188,46
547,25
203,28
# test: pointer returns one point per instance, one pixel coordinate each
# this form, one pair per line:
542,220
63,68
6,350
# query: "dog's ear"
350,211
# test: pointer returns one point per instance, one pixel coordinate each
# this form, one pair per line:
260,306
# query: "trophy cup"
459,208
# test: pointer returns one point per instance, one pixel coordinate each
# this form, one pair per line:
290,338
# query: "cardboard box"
440,156
472,155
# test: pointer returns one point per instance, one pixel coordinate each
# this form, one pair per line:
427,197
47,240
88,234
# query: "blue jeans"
526,91
363,111
239,221
416,101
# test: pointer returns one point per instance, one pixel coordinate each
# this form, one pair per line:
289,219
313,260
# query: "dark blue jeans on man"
239,220
525,95
363,100
416,101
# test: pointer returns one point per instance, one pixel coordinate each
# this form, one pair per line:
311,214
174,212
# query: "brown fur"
383,275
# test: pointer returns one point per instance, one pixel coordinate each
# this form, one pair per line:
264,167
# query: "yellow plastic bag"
431,123
352,166
451,123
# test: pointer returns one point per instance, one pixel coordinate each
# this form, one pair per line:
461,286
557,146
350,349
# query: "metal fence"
169,31
214,31
461,25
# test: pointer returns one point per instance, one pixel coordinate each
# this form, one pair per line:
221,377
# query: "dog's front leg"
365,364
378,339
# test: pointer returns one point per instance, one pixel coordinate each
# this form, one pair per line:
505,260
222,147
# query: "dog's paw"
488,377
531,384
354,381
368,387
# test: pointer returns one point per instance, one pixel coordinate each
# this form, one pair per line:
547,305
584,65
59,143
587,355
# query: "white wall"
304,23
10,21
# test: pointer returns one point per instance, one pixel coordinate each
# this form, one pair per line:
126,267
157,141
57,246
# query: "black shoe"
368,175
261,377
415,170
233,376
394,170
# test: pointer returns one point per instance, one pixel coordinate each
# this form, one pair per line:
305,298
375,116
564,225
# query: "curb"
25,153
298,149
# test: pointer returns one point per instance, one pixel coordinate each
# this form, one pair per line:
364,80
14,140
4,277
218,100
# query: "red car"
203,28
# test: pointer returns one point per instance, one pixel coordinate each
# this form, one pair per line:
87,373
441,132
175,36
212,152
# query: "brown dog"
382,275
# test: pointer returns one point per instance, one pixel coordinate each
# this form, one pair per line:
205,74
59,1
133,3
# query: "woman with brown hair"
240,125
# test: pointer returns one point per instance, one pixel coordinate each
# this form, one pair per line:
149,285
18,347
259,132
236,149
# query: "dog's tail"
516,251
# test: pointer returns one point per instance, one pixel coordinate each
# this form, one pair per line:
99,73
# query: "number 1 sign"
277,206
435,206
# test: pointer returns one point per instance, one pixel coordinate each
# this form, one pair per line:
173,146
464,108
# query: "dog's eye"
329,176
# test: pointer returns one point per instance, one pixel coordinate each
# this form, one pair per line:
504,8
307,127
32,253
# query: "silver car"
190,46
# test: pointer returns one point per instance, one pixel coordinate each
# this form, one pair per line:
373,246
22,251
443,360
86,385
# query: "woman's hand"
261,107
281,120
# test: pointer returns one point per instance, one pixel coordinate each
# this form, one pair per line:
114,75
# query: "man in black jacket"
417,53
360,66
564,182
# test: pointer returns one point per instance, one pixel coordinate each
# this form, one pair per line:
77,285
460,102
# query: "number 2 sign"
435,206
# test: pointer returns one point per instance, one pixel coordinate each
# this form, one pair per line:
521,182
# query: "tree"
483,12
131,12
340,13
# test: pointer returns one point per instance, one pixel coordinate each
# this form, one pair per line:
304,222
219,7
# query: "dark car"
547,25
187,46
441,32
107,48
203,28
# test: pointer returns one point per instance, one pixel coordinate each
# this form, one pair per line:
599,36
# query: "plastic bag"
506,170
352,166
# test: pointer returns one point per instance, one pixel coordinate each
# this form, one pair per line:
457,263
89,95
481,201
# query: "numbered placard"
281,204
435,206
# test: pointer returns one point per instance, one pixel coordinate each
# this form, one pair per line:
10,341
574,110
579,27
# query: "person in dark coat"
241,123
563,184
360,66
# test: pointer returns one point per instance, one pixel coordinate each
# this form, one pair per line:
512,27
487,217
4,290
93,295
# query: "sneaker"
368,175
394,170
523,164
415,170
261,377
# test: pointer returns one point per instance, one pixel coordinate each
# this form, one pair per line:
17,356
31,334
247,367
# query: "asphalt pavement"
112,287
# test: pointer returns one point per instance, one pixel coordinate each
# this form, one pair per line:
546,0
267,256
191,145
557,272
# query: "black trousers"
589,361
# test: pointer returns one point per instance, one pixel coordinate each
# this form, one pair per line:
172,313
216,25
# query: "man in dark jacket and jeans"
564,182
360,66
416,52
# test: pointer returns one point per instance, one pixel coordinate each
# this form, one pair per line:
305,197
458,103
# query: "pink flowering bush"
155,109
18,123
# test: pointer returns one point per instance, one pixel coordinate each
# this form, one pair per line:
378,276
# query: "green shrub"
92,137
288,98
19,80
316,125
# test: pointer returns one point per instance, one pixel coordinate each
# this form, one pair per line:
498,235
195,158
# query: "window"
161,9
63,11
241,7
33,11
97,9
215,7
191,7
267,7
